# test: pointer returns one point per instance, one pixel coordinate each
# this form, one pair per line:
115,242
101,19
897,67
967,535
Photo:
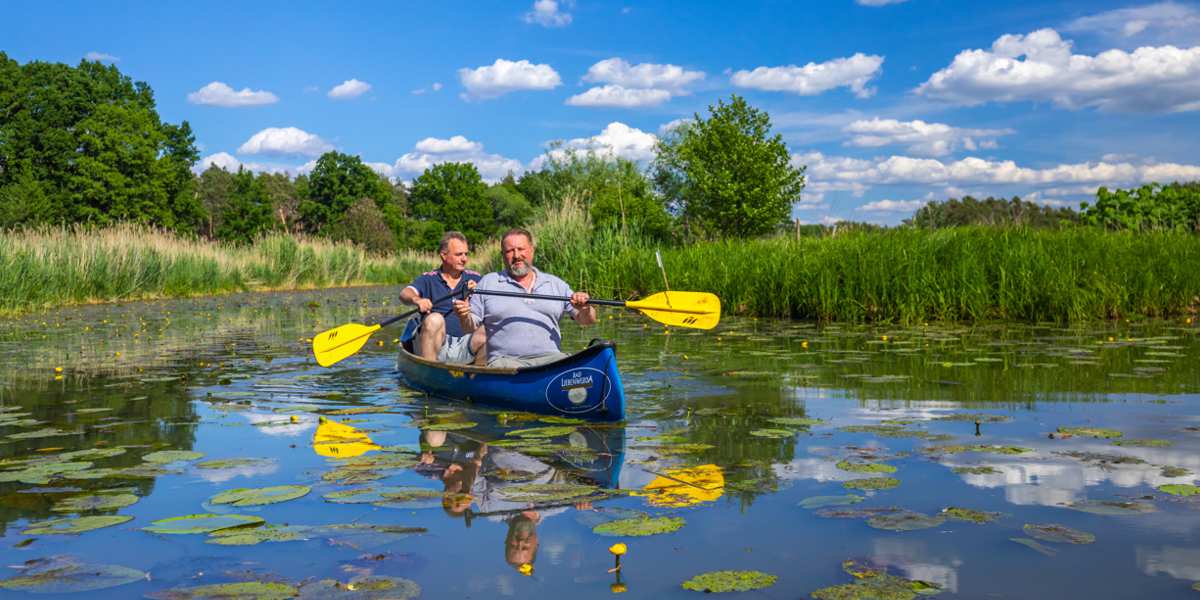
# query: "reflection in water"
915,560
687,486
338,440
1180,563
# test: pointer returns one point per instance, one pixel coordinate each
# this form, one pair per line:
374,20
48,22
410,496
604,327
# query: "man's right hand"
424,305
462,308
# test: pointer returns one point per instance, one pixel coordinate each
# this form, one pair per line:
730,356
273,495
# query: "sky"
888,104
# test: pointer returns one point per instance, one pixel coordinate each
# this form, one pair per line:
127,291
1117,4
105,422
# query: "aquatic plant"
969,515
260,496
1053,532
730,581
1094,432
63,574
1179,489
638,527
862,467
871,483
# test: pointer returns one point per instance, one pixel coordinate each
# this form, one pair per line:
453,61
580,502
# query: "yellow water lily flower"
525,569
58,369
618,588
618,548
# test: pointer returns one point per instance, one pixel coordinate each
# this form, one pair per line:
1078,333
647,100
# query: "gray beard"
520,271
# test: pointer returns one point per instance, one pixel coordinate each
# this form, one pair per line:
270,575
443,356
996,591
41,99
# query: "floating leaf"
40,433
905,520
363,536
260,496
259,590
93,502
548,492
875,584
249,536
864,467
232,463
1179,489
201,523
730,581
976,470
974,417
450,426
368,587
163,457
551,431
92,454
1112,507
368,495
638,527
73,525
796,421
1143,443
61,575
351,476
971,516
773,433
1102,459
823,501
1173,471
982,448
871,483
1095,432
1053,532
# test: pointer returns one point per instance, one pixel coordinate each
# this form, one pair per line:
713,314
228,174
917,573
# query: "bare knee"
433,323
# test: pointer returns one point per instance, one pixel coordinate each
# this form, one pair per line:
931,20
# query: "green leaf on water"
163,457
449,426
548,492
796,421
40,433
969,515
260,496
351,476
865,467
364,536
93,502
62,575
976,470
871,483
550,431
557,420
773,433
368,495
368,587
1143,443
973,417
1112,507
249,536
259,590
232,463
1094,432
73,525
92,454
1053,532
981,448
823,501
202,523
730,581
1179,489
639,526
905,520
1173,471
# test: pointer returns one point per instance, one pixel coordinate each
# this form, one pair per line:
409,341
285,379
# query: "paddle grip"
545,297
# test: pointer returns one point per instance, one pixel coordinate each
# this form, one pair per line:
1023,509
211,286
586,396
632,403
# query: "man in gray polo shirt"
522,332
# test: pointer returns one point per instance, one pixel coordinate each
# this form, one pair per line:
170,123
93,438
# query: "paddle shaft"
621,303
409,313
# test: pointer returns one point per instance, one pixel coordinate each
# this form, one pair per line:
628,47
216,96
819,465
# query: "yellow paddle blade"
696,310
338,343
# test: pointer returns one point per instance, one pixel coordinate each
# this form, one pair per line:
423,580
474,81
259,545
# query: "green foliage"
454,195
727,174
1154,207
509,206
86,145
990,211
247,212
335,184
365,224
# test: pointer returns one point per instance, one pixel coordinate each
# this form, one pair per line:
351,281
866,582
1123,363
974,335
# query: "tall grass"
58,266
908,275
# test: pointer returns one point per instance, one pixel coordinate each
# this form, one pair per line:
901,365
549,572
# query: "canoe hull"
585,385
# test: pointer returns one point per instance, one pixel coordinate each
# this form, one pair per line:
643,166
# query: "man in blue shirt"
522,332
439,338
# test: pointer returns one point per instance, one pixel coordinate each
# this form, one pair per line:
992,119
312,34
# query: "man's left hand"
579,300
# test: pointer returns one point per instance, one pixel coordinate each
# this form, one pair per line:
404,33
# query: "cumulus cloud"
222,160
285,140
853,72
549,13
1040,67
890,206
506,76
433,151
231,163
645,75
619,97
1160,23
349,89
100,56
929,139
617,140
218,93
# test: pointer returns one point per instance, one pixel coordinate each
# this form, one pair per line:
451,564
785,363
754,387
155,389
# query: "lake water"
748,433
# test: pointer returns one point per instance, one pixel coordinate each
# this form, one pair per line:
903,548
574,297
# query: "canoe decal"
578,390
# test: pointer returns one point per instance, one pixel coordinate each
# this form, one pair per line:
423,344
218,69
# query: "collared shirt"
432,286
520,327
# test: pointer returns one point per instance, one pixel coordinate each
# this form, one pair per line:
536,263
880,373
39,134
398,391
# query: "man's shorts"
456,350
517,362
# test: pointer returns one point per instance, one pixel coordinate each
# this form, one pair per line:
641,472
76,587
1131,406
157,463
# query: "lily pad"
260,496
370,587
865,467
638,527
1102,459
871,483
364,536
92,454
773,433
976,470
824,501
249,536
163,457
94,502
450,426
730,581
1053,532
551,431
1173,471
40,433
75,525
62,575
1179,489
202,523
368,495
981,448
875,584
259,590
974,417
905,520
1143,443
1112,507
351,476
971,516
547,492
796,421
1093,432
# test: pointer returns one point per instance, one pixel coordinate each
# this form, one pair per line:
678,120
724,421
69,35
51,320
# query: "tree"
509,207
1150,207
364,224
248,212
726,174
284,200
213,188
455,196
990,211
335,183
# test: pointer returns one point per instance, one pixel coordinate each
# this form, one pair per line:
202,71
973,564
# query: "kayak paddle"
696,310
339,343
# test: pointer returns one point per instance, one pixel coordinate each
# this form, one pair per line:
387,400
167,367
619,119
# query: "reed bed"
50,267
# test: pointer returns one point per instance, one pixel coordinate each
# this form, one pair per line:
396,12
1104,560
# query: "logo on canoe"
577,390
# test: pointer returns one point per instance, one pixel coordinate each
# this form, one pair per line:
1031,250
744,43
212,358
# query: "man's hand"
462,309
580,300
424,305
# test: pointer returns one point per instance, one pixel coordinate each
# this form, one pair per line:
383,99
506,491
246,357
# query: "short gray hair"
444,245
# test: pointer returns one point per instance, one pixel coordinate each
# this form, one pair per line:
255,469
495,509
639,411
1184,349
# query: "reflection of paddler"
338,440
685,486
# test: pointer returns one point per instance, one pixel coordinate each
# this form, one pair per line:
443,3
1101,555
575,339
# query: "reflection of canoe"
593,454
585,385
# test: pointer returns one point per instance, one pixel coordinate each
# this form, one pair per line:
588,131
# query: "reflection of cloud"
261,467
819,469
914,559
1180,563
281,425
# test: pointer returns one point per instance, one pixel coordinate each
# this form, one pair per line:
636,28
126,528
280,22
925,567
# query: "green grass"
56,266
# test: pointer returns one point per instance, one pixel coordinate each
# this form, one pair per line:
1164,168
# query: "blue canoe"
584,385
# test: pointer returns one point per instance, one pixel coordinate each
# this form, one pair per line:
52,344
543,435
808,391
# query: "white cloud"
434,87
433,151
223,160
1040,67
617,140
1160,23
930,139
645,75
285,140
100,56
230,163
506,76
891,206
349,89
814,78
620,97
672,124
218,93
547,13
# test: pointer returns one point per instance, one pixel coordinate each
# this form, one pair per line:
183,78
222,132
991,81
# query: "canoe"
584,385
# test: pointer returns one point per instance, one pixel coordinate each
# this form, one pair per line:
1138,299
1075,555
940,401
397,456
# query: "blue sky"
888,103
